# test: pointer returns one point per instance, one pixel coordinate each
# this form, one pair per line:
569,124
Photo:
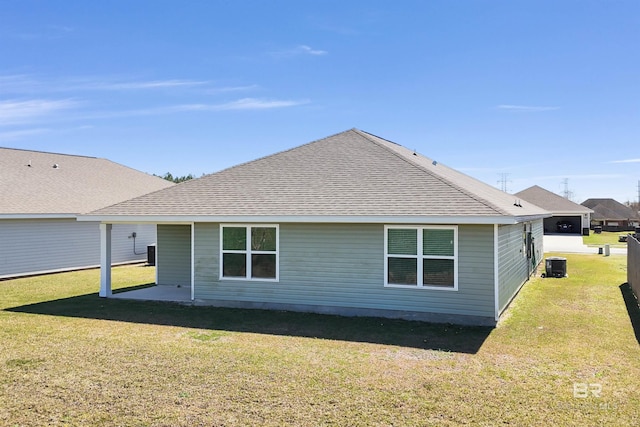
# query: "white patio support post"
105,260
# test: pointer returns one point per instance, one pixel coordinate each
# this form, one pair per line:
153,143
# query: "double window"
422,257
249,252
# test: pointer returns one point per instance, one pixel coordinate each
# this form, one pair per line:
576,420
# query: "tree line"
177,179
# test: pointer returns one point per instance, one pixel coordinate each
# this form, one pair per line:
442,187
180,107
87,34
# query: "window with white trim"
249,252
422,257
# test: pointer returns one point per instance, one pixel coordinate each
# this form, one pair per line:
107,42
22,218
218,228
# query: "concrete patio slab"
158,293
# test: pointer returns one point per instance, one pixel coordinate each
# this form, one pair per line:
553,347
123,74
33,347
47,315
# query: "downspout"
193,262
496,272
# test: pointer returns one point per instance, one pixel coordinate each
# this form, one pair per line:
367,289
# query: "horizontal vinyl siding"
173,255
207,257
31,246
122,249
343,266
537,229
514,267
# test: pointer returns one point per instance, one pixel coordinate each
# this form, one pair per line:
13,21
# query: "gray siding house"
351,224
611,215
568,217
40,196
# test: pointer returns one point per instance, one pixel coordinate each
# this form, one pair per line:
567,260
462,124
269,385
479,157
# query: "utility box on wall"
151,255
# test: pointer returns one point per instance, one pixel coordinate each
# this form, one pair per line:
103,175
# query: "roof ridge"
48,152
274,154
431,173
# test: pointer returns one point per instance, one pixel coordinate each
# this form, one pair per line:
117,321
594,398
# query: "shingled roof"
551,201
353,174
39,183
610,209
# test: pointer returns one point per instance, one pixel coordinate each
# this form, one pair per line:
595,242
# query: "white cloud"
232,89
241,104
525,108
298,50
141,85
21,83
625,161
345,31
596,176
306,49
18,83
18,112
258,104
49,32
17,134
61,28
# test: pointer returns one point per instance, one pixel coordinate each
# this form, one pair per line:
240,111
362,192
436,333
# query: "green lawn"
606,237
565,354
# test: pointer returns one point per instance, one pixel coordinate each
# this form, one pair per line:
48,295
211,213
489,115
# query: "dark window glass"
263,239
234,265
234,238
437,242
402,241
438,272
263,266
402,271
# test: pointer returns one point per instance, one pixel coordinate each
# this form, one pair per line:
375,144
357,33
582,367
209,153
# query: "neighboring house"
40,196
568,217
351,224
612,215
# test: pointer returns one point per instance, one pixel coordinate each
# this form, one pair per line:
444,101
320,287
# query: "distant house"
612,215
351,224
40,196
567,216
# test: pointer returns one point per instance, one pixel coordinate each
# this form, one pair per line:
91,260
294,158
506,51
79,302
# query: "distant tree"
177,179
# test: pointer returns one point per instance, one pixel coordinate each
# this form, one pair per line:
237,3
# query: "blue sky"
532,92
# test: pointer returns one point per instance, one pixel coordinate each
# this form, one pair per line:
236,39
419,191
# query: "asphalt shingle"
551,201
35,182
610,209
352,173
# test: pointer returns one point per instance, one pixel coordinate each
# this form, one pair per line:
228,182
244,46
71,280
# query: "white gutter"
39,216
338,219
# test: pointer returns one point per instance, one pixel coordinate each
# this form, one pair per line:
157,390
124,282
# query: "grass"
69,358
605,238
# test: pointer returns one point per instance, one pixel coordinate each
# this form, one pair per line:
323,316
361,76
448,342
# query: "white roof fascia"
38,216
338,219
528,218
574,213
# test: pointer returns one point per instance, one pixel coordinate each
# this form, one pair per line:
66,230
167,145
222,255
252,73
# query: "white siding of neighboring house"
32,246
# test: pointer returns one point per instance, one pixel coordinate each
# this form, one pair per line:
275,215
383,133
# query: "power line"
504,180
567,194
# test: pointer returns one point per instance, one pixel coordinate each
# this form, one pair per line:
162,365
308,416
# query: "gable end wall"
514,267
